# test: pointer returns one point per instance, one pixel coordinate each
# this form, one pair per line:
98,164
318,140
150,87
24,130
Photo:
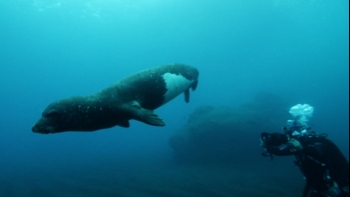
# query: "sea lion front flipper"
125,124
149,117
146,116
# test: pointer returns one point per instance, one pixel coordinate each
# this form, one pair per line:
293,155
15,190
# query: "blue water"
53,49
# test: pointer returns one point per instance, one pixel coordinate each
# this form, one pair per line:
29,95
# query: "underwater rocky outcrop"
224,134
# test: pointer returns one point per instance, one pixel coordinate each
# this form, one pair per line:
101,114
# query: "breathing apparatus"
294,129
301,114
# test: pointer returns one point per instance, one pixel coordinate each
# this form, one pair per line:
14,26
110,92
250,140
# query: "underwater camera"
273,139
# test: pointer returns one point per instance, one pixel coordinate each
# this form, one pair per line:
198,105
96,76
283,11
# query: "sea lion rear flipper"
194,85
187,92
187,95
146,116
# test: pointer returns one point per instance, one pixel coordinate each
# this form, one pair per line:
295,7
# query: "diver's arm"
292,147
283,150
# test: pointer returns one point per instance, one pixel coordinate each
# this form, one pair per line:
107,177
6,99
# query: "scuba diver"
324,167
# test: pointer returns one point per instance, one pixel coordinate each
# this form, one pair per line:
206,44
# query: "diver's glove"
262,144
295,145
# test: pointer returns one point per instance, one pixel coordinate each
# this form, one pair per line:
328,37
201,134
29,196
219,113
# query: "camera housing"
273,139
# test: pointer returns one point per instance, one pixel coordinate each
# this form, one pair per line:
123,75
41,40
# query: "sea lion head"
59,116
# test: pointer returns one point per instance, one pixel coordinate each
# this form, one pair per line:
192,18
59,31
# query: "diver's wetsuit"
321,162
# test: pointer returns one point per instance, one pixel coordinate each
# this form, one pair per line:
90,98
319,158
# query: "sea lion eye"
51,114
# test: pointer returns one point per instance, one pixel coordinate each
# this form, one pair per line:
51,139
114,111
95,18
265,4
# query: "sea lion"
134,97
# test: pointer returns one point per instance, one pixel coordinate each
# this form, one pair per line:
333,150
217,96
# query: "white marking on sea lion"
175,85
